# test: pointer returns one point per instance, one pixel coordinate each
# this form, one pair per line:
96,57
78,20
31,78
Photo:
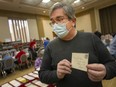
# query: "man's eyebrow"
56,17
59,17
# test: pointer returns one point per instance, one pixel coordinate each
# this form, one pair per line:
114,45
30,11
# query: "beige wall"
40,26
87,16
4,29
33,30
47,29
84,23
97,19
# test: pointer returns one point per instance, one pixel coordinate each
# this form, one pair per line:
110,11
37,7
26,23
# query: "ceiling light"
76,1
45,1
83,7
44,11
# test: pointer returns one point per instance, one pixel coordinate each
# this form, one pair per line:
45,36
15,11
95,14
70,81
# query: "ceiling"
38,7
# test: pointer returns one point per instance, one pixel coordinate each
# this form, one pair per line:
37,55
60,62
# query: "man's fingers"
65,68
97,67
95,73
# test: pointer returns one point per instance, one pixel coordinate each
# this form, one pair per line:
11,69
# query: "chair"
7,65
24,61
30,58
1,67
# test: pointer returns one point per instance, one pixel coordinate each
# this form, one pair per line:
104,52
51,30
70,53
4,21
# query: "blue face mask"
60,30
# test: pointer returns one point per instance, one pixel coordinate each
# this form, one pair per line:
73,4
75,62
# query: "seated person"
38,61
6,56
21,52
32,42
32,50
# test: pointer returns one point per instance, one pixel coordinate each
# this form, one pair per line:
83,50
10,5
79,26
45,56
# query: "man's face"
59,16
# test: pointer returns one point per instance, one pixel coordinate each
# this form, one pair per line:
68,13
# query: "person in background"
46,41
108,40
56,65
32,41
103,39
38,61
6,56
113,47
32,50
19,54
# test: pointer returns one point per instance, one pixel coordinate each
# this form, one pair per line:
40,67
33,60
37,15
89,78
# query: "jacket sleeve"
47,74
105,57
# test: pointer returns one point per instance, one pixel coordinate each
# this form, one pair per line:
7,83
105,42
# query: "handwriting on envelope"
80,60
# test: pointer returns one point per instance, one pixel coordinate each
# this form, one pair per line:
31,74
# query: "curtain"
108,19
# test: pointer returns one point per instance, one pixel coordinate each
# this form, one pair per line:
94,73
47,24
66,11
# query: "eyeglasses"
58,20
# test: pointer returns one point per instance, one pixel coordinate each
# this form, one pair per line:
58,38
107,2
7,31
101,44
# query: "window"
19,30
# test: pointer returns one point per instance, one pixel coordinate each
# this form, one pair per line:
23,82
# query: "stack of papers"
6,85
34,75
28,77
30,85
15,83
37,82
36,72
21,79
38,69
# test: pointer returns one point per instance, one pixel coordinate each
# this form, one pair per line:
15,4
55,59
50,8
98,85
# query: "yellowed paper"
79,61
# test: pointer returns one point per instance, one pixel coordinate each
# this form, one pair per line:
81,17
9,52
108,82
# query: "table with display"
28,80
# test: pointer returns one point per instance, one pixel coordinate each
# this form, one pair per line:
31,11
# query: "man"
56,64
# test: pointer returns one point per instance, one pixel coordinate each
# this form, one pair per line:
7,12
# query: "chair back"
1,66
23,58
8,64
30,55
0,56
24,61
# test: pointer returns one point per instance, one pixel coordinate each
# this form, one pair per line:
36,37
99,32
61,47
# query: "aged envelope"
80,60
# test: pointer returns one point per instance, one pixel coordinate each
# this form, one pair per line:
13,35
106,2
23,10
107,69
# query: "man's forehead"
57,13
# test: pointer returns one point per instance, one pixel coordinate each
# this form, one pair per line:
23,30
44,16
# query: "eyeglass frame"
58,20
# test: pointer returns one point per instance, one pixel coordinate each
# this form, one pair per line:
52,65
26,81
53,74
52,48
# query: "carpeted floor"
109,83
15,75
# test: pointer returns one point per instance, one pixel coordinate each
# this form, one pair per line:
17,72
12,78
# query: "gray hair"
69,11
41,52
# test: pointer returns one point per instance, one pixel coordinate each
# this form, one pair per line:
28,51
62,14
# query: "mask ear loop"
70,27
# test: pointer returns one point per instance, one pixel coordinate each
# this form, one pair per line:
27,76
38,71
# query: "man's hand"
63,68
96,72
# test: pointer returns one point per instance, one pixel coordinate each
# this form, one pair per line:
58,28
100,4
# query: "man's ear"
74,20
